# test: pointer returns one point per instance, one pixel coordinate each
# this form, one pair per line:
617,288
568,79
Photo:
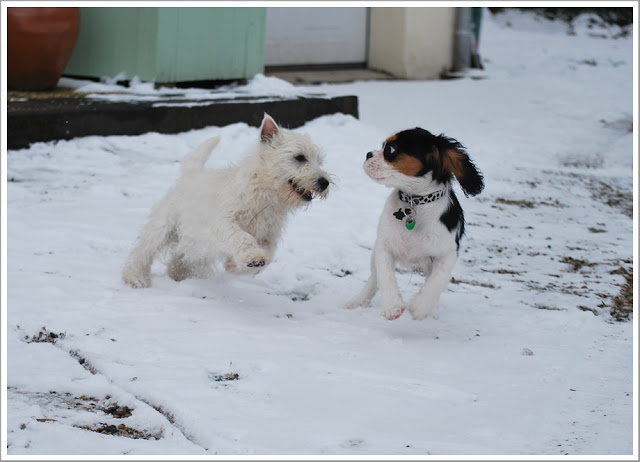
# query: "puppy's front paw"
421,309
393,310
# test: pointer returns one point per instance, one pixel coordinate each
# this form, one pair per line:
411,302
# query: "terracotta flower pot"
39,44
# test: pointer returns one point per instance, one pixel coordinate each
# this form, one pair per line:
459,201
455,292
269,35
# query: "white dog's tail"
194,161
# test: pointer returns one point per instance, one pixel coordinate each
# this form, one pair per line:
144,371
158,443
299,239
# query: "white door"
300,36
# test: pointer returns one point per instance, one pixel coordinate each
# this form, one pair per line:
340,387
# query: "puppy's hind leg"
426,300
390,298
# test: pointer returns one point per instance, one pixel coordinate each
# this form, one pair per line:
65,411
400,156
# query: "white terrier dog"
422,221
233,215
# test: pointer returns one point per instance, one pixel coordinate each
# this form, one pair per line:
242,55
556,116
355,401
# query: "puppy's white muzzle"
376,167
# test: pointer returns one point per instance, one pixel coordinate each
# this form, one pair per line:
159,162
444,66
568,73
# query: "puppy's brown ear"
455,161
268,129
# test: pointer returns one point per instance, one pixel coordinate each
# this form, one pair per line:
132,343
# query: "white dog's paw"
250,263
256,260
393,309
137,281
254,257
179,269
257,263
232,268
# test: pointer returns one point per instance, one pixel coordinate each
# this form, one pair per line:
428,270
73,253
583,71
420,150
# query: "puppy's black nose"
323,184
369,155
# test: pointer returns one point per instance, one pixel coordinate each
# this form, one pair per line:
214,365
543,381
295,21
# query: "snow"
523,357
260,87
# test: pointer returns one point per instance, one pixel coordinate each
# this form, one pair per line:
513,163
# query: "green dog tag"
410,224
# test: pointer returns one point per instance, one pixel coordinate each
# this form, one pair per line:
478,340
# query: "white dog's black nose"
323,184
369,155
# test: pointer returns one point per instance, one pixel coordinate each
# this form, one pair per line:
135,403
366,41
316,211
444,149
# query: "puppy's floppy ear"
455,160
268,129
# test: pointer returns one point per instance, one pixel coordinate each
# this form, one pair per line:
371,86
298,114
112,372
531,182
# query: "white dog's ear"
268,129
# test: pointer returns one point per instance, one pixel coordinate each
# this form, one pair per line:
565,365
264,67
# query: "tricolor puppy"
422,221
233,215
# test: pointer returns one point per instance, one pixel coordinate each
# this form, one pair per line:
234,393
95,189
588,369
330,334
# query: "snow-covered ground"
523,358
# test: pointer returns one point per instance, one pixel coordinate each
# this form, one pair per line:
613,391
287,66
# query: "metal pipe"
462,50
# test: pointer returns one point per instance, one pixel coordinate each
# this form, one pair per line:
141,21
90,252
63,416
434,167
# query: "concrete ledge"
33,120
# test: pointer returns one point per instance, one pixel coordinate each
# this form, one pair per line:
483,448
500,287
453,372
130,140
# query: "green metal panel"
112,40
170,44
167,46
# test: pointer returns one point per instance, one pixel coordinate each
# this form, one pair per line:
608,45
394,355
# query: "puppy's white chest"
412,243
409,246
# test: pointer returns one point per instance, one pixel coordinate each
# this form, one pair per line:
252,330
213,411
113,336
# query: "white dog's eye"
392,150
300,158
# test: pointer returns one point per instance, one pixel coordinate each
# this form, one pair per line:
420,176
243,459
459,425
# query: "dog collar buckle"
406,215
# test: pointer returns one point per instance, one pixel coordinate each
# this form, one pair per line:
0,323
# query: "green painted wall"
169,44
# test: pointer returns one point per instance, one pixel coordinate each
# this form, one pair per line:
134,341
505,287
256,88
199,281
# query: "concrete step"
62,115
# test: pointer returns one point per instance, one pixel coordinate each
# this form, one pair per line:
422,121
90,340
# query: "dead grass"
527,204
119,430
541,306
502,271
582,162
229,376
577,264
83,361
44,336
58,92
586,308
613,196
622,304
472,283
54,405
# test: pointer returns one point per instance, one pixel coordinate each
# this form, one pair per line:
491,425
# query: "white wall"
301,36
412,43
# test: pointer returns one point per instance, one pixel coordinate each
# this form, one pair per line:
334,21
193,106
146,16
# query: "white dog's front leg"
425,301
246,256
391,300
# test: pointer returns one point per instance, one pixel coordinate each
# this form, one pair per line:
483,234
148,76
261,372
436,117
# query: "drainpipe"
466,39
476,17
462,51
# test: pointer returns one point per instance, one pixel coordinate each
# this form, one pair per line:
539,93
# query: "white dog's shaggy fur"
233,215
422,221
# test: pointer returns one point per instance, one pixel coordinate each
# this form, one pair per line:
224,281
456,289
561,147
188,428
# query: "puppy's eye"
390,151
300,158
